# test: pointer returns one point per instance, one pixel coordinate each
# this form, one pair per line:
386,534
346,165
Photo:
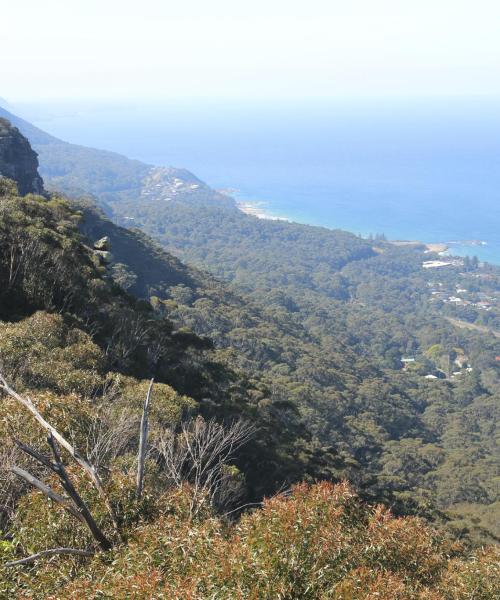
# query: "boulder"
103,244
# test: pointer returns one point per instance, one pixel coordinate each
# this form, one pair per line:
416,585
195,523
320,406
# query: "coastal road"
472,326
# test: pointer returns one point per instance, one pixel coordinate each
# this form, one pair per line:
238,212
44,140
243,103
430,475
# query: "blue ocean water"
425,169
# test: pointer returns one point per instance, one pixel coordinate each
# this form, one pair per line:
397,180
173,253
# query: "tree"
199,453
123,276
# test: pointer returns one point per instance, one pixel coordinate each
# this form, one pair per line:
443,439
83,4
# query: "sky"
247,49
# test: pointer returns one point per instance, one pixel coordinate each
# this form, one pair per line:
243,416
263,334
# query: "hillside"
322,319
249,397
418,443
77,170
110,177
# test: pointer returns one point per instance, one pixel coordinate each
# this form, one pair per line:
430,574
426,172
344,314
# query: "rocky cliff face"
18,161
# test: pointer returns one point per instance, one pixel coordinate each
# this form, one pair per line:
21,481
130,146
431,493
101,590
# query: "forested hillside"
304,362
78,170
79,346
415,441
324,318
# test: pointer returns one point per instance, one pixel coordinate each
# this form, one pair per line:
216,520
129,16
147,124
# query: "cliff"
18,161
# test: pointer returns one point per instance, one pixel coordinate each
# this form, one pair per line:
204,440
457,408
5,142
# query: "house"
433,264
407,361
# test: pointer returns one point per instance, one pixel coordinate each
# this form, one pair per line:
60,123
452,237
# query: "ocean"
414,169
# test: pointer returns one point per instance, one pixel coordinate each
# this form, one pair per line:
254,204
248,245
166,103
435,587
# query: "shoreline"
257,209
430,247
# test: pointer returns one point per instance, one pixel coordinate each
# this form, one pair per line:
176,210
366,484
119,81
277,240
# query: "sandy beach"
255,209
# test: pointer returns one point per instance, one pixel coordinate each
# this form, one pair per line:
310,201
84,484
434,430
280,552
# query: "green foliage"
89,330
167,409
319,541
243,249
123,276
306,344
8,187
330,356
288,358
42,263
43,352
323,321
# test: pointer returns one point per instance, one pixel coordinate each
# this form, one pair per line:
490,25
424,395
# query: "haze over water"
412,169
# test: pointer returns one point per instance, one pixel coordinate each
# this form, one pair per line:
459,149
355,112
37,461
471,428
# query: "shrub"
320,542
42,351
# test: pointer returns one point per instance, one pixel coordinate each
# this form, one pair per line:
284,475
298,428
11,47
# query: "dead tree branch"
143,443
48,553
47,491
86,466
70,489
200,454
78,508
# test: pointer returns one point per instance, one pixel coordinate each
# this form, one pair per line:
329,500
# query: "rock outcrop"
102,249
18,161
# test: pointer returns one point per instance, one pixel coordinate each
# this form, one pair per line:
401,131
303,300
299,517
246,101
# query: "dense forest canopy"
414,436
358,307
338,356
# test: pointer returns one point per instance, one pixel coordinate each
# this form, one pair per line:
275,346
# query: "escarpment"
18,161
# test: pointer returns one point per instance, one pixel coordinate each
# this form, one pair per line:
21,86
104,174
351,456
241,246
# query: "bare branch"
110,435
48,553
70,489
41,458
79,505
90,469
201,454
143,443
49,492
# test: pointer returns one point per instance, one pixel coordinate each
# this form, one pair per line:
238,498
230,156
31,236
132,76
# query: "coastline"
341,162
258,209
430,247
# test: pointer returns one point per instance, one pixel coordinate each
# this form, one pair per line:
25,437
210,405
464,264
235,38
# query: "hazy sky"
255,49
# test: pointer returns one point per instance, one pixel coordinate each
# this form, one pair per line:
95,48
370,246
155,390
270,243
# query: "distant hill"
77,170
109,177
189,218
36,136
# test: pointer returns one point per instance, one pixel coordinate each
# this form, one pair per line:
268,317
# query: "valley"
298,330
